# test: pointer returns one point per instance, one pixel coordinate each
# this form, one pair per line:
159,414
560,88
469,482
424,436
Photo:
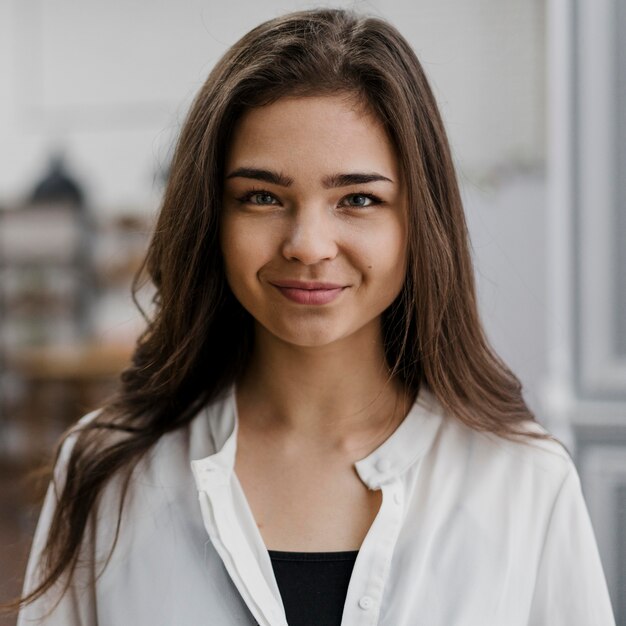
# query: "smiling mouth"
311,293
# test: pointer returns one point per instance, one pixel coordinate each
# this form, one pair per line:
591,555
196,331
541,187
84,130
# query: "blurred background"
533,93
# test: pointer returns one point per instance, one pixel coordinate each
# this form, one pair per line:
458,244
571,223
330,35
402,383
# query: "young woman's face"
314,219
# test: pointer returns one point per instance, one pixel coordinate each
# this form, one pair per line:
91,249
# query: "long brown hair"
198,337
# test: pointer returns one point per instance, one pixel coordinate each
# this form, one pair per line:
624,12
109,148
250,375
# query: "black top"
313,585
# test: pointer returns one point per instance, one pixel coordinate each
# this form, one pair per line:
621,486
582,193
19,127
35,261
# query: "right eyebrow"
267,176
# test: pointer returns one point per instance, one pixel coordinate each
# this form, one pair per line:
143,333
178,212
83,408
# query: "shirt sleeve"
570,588
77,606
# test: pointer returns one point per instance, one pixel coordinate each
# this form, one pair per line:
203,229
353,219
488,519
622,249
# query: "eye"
259,198
361,200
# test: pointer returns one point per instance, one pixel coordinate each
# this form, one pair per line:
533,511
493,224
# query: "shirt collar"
221,416
408,443
405,446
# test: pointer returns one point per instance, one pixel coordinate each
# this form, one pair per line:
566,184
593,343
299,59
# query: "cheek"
235,261
247,246
243,250
387,254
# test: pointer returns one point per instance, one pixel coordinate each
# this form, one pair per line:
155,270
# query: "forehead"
323,133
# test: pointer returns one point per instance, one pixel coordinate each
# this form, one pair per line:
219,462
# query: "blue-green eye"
260,198
361,200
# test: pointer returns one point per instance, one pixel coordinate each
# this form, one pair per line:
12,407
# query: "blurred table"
81,363
57,385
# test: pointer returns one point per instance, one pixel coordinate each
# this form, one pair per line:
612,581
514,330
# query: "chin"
309,339
319,333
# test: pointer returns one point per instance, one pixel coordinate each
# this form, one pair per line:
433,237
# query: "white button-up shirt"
473,530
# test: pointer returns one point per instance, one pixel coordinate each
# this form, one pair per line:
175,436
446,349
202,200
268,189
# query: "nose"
311,237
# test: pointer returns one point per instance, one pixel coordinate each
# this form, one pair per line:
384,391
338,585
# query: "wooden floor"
19,510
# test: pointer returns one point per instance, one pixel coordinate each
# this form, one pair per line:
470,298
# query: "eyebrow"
267,176
329,182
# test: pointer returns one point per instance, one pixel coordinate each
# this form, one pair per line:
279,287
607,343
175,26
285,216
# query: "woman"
315,371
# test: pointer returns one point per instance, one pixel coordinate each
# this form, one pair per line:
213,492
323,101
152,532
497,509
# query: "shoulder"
523,468
194,439
546,455
157,494
158,479
501,493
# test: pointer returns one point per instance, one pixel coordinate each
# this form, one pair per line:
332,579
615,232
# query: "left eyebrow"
356,178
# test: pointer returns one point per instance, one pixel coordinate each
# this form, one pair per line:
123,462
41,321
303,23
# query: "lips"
308,292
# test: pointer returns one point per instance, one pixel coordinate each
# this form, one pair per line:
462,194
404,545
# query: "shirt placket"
232,545
371,569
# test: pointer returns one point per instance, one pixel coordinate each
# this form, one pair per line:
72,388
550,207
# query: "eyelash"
247,197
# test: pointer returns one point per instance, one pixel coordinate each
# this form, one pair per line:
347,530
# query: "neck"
339,395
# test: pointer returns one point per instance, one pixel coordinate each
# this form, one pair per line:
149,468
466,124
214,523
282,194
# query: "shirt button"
366,603
383,465
397,498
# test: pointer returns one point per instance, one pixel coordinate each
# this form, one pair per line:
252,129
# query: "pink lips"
304,292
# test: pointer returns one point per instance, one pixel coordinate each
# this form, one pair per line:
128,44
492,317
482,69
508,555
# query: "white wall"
110,82
507,224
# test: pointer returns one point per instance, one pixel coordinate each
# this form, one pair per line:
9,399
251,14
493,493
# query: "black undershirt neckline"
339,555
313,585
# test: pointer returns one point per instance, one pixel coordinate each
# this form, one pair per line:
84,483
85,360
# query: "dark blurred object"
57,186
46,264
47,295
